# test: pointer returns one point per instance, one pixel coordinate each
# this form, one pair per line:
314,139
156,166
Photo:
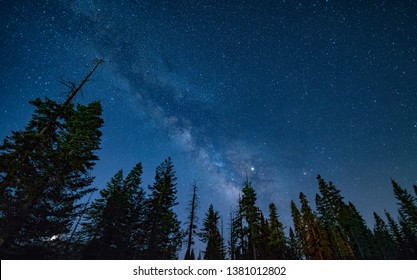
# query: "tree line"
46,210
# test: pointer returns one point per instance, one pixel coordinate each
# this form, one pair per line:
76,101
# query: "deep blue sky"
278,90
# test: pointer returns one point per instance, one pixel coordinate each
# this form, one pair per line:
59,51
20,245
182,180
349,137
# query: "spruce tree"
330,207
295,250
238,244
383,239
210,234
407,218
401,249
163,235
44,173
362,239
252,216
276,238
115,221
316,243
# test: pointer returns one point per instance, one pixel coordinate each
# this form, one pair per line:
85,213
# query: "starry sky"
279,91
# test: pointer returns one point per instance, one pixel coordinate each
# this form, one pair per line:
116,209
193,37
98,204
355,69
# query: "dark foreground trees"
45,181
44,173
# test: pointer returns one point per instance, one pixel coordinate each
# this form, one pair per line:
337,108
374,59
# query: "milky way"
278,91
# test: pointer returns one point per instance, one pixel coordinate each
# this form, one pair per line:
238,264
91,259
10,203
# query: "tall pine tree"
330,207
276,240
407,219
383,239
316,243
252,215
115,220
44,174
210,234
163,234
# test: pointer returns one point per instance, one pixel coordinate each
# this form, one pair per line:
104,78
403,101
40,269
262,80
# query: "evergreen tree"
191,224
295,250
407,206
163,235
362,239
331,208
115,221
210,234
276,238
396,235
44,172
408,219
238,236
136,202
383,239
252,216
316,244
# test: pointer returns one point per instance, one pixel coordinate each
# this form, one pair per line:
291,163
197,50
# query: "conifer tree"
295,250
264,251
238,237
210,234
136,202
331,209
408,217
44,173
399,243
383,239
252,216
115,221
276,239
362,239
163,235
316,244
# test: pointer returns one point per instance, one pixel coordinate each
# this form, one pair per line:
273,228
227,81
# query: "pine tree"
163,235
115,221
276,243
252,216
210,234
396,235
407,206
330,207
407,218
362,239
191,224
316,243
383,239
44,173
238,236
295,250
136,202
264,251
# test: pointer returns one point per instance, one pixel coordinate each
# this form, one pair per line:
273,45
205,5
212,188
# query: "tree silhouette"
163,235
44,173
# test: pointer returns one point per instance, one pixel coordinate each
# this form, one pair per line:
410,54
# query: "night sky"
279,90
